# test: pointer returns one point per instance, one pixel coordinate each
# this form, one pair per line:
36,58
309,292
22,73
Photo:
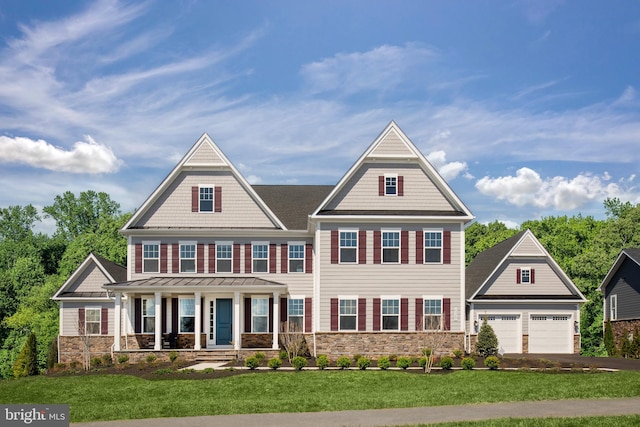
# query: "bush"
123,358
52,354
356,357
458,353
364,363
208,371
422,362
384,363
393,357
446,363
27,361
468,363
299,362
487,344
274,363
492,362
74,364
164,371
96,362
343,362
151,358
251,362
609,341
107,360
322,361
284,355
260,356
173,356
426,352
403,362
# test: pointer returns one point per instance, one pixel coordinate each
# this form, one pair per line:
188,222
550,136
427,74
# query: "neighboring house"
621,292
531,304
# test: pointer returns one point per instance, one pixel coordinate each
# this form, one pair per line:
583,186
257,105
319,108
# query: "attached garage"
550,333
508,329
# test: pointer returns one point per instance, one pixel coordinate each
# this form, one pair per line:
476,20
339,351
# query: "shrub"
151,358
52,354
426,352
299,362
27,361
364,363
343,362
393,357
468,363
96,362
284,355
123,358
60,366
251,362
458,353
322,361
164,371
107,360
274,363
173,356
74,364
422,362
487,344
260,356
384,363
403,362
609,340
492,362
208,370
446,363
356,357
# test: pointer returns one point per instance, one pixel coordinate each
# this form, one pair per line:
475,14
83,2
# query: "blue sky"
527,108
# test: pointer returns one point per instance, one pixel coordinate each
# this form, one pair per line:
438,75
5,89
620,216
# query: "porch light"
475,326
576,326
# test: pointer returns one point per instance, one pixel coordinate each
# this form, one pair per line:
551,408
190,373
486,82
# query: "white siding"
527,247
547,281
392,145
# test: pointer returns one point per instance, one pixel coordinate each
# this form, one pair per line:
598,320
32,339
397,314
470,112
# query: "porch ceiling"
177,284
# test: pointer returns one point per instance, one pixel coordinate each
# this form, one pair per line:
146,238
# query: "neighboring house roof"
632,254
111,271
293,204
191,283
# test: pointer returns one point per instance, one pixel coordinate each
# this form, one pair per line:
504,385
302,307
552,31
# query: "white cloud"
449,170
86,157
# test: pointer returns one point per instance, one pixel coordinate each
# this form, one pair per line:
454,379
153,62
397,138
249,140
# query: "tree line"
34,265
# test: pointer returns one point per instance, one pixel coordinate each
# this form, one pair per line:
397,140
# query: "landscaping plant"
299,362
343,362
403,362
446,363
27,362
251,362
323,361
384,363
364,363
468,363
492,362
274,363
487,344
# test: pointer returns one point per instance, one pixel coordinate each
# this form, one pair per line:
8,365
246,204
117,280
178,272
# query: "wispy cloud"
448,170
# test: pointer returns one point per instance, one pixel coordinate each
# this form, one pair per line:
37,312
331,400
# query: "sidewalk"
400,416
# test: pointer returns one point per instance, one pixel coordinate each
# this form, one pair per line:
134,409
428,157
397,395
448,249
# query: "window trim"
253,257
195,255
340,247
181,315
383,247
301,316
224,243
303,258
384,298
146,316
522,275
213,198
354,315
150,243
426,298
395,186
253,316
613,307
99,321
425,247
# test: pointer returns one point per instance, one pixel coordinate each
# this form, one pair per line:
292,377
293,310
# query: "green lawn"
108,397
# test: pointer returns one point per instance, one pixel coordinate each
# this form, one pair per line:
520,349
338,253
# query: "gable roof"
487,262
293,203
113,273
632,254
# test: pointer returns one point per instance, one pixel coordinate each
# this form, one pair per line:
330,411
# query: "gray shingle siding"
625,283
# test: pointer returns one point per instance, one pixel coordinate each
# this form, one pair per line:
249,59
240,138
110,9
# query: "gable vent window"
206,199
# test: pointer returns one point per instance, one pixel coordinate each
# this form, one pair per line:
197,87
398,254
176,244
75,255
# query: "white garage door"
550,333
507,329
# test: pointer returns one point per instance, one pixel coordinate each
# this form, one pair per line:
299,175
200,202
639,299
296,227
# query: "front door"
224,316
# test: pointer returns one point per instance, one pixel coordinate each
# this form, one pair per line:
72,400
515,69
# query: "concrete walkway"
402,416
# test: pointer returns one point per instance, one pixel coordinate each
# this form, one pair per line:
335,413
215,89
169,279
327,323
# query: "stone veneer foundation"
622,329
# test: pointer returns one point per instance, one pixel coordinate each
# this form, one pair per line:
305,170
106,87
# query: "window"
613,307
206,199
348,246
432,246
150,257
148,315
525,275
391,247
92,317
260,314
224,256
187,314
390,314
260,257
296,314
390,185
432,314
296,258
187,257
348,314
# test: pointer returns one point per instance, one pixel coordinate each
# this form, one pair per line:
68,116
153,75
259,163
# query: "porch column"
276,319
117,322
236,321
157,299
198,325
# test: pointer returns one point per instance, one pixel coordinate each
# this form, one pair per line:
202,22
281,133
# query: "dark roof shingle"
293,204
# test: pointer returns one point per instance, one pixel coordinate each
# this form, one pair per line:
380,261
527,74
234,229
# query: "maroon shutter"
401,186
404,247
200,258
334,246
376,314
533,276
283,310
247,314
195,199
446,311
138,257
163,258
270,319
104,321
381,185
307,314
419,313
212,257
446,247
272,258
362,247
81,324
308,258
137,315
362,314
175,258
247,257
174,316
377,247
404,314
217,199
163,315
419,247
334,314
518,275
284,258
236,258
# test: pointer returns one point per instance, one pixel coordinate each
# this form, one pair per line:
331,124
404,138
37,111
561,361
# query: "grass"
618,421
109,397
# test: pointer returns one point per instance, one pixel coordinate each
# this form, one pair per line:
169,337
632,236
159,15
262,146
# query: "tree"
487,343
480,237
27,364
609,340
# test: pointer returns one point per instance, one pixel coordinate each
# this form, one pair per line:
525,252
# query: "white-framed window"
348,246
390,311
613,307
525,275
148,315
296,257
187,314
260,257
187,257
432,246
432,314
205,198
150,257
390,246
390,185
224,257
295,314
259,314
92,320
348,314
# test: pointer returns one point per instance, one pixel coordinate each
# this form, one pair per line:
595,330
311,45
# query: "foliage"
343,362
27,364
299,362
458,353
403,362
284,355
274,363
123,358
446,363
292,340
96,362
260,356
322,361
356,357
363,363
487,343
151,358
52,354
492,362
173,356
251,362
107,360
468,363
384,363
609,341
